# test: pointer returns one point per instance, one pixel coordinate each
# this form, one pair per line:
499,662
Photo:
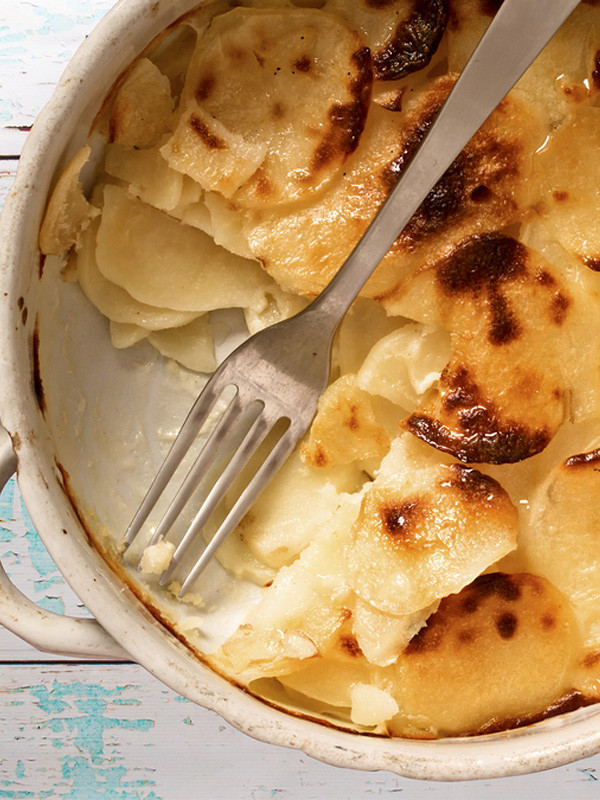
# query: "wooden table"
99,731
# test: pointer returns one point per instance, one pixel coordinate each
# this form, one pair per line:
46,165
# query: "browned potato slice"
487,188
161,262
568,171
142,110
403,35
504,393
68,212
424,530
499,652
560,79
562,538
344,429
309,78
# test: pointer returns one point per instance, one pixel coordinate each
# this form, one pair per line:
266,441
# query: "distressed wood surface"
86,731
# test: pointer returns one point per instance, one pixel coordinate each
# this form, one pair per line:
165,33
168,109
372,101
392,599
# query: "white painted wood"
28,564
111,732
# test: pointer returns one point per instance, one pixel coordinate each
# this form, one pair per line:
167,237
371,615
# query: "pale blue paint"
79,719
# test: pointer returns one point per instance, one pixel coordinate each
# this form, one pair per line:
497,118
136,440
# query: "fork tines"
241,429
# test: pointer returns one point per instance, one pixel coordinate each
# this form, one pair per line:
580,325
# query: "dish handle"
47,630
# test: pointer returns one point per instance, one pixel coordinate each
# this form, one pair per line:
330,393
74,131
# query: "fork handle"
517,34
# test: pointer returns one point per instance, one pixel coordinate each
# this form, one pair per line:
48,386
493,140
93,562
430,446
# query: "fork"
279,373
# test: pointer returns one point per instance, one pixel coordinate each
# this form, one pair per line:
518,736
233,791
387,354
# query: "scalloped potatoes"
427,557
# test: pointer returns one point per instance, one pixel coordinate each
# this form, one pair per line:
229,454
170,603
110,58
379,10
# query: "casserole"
37,325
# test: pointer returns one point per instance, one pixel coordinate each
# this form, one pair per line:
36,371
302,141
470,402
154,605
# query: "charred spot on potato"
560,195
352,421
543,277
473,485
480,193
263,185
548,621
398,520
479,267
592,262
303,64
584,460
559,308
209,138
349,646
487,443
481,263
490,7
428,638
488,161
414,41
501,584
591,660
507,625
278,110
205,88
347,120
394,102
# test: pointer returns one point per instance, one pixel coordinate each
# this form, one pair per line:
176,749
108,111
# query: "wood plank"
111,732
28,564
36,41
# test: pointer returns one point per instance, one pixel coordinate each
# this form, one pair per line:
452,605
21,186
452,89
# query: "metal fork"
280,372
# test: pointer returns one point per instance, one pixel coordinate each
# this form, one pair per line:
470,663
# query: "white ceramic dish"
55,344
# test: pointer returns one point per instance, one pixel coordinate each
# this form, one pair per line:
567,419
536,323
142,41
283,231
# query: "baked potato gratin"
429,557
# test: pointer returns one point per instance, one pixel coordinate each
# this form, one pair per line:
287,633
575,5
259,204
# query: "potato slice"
425,530
147,173
560,78
402,35
365,324
142,111
569,176
126,334
68,212
487,188
299,615
191,345
289,513
403,365
565,520
161,262
309,79
344,429
382,637
217,158
493,656
113,301
504,393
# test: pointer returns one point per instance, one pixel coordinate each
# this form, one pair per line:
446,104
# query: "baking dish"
50,341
